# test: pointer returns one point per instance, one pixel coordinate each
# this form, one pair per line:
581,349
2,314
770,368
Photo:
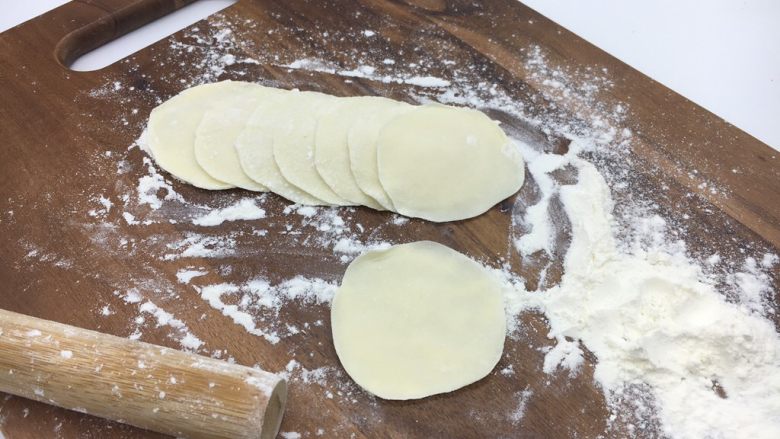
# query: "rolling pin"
140,384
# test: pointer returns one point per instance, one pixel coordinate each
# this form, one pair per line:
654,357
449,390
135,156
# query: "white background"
722,54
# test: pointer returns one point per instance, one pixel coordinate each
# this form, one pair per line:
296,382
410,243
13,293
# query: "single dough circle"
416,320
446,164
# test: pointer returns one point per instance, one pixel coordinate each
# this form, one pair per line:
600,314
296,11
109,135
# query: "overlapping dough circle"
432,161
170,134
331,152
216,135
445,164
256,153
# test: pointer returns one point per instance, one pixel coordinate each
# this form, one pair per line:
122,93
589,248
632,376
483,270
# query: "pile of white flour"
651,318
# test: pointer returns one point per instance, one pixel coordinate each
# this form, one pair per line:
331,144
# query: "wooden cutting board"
65,139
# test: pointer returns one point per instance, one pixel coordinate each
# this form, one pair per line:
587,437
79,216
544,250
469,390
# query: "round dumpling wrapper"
416,320
446,164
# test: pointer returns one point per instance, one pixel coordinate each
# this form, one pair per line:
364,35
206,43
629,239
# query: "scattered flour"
651,318
400,220
754,285
315,291
769,260
536,220
105,205
351,247
255,305
244,209
213,294
522,402
324,376
183,335
334,231
184,276
306,211
130,218
150,185
565,354
367,72
196,245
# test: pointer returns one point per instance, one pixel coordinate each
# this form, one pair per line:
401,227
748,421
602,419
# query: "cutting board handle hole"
83,50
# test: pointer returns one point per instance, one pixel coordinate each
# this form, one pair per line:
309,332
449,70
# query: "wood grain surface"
58,262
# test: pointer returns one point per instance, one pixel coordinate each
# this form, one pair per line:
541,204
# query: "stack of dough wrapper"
435,162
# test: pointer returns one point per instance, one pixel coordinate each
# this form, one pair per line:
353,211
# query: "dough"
416,320
435,162
256,154
446,164
331,154
216,135
361,141
171,131
296,123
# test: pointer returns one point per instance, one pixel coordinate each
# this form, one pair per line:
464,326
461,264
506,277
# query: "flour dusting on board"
146,307
255,305
651,317
244,209
367,72
679,337
633,296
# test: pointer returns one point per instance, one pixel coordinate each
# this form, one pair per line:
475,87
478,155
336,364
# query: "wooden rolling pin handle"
136,383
